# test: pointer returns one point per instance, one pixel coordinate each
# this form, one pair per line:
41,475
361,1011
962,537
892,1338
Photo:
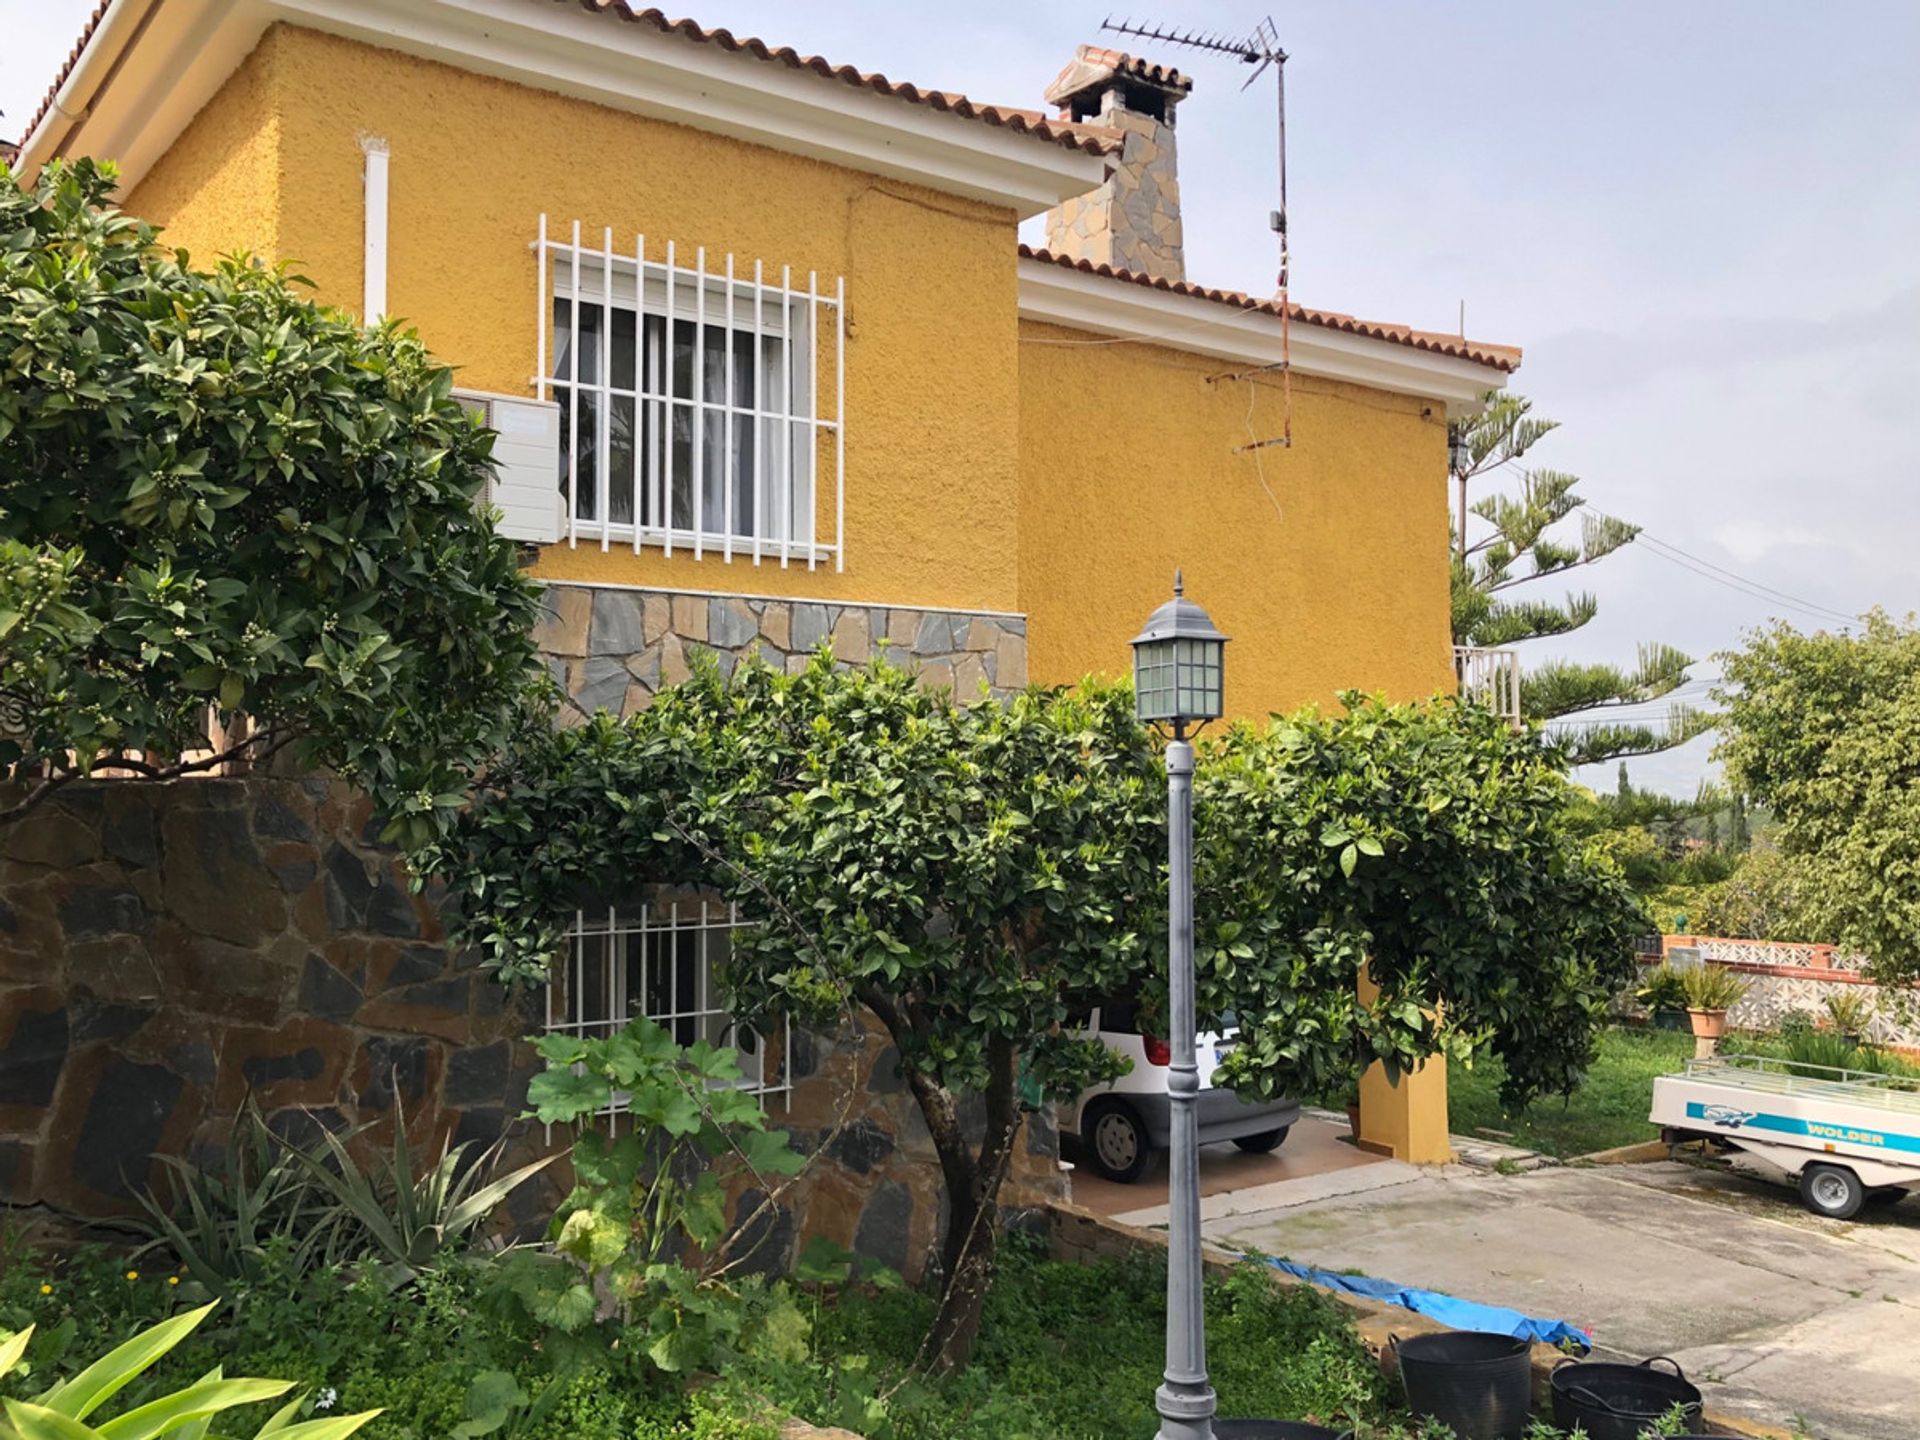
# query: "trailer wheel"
1832,1190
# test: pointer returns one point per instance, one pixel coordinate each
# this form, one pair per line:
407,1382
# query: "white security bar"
692,402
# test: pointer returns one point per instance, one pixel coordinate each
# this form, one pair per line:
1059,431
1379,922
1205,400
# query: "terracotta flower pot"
1708,1024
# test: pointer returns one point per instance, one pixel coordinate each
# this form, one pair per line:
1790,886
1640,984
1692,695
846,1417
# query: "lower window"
662,959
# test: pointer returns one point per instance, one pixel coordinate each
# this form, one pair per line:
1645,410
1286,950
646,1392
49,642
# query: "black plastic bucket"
1477,1383
1275,1430
1618,1402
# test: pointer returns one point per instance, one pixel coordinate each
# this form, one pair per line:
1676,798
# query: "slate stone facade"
165,950
611,648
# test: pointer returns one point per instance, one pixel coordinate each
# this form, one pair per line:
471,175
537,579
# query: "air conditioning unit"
525,485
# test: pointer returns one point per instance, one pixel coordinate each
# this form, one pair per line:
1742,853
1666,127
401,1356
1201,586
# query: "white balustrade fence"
1490,678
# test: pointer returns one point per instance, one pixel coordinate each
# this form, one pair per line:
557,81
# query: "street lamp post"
1178,663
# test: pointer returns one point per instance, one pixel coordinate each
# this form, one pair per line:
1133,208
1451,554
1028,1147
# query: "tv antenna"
1259,48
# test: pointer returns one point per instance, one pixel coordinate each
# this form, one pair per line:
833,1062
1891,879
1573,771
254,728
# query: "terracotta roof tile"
1024,122
1090,139
1499,357
1094,65
66,69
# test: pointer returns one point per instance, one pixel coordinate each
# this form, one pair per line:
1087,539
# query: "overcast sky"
1701,221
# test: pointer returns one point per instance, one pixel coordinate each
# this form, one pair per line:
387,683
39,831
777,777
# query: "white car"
1123,1124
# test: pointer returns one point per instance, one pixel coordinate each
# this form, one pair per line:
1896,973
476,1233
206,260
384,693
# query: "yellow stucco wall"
932,404
988,465
1326,563
217,190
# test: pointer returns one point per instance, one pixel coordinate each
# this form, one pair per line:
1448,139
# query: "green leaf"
824,1262
491,1400
12,1348
34,1422
209,1397
106,1377
558,1096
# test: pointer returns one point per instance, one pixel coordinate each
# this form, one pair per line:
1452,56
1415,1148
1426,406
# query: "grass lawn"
1074,1352
1609,1108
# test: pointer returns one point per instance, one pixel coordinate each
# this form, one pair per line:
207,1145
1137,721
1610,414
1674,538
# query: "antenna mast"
1261,49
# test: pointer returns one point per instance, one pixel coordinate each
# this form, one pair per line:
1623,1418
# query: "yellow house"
770,365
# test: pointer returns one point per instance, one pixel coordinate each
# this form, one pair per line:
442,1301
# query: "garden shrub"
219,492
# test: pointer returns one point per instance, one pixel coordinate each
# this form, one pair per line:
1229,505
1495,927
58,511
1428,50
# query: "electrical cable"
1733,579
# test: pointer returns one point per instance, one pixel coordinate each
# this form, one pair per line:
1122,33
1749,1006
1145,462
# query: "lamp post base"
1186,1410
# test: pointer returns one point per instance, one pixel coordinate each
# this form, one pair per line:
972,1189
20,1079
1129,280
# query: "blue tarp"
1448,1310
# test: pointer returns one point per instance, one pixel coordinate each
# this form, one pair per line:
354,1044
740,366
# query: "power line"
1720,575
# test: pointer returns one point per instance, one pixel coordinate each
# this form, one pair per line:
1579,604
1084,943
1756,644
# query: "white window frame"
798,441
591,992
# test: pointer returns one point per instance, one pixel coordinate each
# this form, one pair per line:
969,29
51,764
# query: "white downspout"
373,304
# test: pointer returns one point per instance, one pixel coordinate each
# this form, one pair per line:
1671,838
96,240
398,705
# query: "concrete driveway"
1774,1313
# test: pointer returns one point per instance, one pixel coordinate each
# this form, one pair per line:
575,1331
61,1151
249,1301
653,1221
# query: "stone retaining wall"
167,949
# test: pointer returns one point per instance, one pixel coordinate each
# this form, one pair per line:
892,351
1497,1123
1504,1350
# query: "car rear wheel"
1116,1140
1265,1143
1832,1190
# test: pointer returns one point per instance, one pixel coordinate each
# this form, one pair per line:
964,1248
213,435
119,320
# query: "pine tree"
1516,549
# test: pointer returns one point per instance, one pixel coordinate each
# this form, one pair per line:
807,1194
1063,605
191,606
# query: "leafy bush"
1429,844
218,492
641,1197
1812,1051
1662,988
1851,1014
354,1343
1765,898
1823,728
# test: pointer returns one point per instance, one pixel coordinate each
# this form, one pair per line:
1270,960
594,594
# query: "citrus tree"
970,876
1429,845
960,873
219,497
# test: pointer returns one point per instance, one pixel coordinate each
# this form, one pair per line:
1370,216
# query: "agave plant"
1851,1015
221,1219
402,1219
61,1412
315,1204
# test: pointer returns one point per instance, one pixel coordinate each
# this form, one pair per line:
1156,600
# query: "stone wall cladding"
613,648
1132,222
166,950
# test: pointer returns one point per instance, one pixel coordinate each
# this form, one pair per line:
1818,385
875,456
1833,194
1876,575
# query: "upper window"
693,414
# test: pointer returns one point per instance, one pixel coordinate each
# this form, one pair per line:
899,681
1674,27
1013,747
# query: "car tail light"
1159,1052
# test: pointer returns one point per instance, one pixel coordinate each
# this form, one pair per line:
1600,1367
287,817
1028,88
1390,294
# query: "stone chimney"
1132,222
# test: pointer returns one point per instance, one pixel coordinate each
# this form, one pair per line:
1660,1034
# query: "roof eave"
184,53
1104,305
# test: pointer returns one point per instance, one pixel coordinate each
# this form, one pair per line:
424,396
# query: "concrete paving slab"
1785,1316
1285,1194
1316,1146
